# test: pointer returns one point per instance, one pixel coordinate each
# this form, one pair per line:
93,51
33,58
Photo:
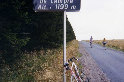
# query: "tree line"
22,29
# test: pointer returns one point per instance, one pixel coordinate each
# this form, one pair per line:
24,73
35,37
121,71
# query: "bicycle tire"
91,45
73,79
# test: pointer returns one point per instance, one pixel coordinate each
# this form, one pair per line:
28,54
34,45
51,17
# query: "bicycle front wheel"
73,79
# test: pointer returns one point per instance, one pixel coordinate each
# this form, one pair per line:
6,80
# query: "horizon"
102,39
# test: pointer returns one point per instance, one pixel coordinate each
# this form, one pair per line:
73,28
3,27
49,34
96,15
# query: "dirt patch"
90,68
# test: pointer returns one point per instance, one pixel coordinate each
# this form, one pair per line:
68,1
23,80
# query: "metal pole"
64,48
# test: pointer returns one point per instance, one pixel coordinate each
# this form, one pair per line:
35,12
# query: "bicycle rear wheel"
91,45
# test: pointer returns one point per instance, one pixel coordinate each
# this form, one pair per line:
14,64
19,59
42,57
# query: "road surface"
110,61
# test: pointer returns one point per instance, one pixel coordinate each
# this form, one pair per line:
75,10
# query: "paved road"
109,60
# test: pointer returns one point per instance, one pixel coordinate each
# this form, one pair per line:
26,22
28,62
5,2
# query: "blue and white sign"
57,5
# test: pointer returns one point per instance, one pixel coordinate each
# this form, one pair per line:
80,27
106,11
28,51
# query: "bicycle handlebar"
71,59
67,66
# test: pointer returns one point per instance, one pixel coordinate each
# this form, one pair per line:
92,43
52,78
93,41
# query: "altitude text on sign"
68,5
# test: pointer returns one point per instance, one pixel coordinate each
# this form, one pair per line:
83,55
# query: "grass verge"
115,44
41,66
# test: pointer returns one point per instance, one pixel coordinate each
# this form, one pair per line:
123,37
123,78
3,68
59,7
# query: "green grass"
41,66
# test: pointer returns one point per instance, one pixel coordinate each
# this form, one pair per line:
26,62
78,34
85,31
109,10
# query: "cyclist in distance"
91,41
104,42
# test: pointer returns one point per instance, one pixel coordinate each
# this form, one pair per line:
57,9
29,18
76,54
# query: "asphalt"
109,60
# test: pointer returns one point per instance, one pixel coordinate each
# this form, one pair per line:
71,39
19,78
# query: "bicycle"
104,44
91,40
91,44
75,76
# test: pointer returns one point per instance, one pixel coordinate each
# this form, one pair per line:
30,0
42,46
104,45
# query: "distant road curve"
110,61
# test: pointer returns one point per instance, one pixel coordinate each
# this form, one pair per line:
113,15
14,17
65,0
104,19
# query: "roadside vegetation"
31,43
115,44
40,66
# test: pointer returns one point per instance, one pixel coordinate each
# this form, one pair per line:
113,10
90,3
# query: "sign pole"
64,49
58,5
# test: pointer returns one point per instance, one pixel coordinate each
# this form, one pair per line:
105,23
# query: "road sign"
57,5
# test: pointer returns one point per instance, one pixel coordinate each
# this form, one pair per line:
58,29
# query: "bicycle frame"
75,74
91,44
73,69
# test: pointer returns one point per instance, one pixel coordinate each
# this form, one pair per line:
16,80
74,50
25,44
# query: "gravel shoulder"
90,67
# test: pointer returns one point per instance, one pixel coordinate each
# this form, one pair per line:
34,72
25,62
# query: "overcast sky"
98,18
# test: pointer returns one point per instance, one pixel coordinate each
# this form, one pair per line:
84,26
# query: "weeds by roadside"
41,66
115,44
